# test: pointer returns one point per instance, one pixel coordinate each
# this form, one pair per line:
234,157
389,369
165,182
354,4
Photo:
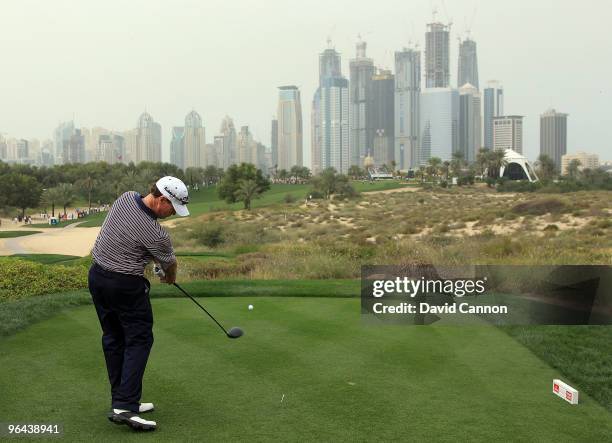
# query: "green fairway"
307,369
12,234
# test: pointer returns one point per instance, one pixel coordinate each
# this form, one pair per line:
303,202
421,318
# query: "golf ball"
250,307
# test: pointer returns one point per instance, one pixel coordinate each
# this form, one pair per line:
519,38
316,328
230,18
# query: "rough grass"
458,226
583,353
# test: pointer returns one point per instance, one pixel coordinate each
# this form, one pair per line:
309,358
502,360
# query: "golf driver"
235,332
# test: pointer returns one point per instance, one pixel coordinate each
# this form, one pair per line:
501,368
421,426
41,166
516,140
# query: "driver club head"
235,332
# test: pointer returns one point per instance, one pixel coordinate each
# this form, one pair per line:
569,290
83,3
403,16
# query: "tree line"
97,183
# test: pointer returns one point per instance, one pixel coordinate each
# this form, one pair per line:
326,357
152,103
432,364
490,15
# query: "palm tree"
434,166
482,160
573,167
546,167
88,184
421,172
248,190
444,169
66,194
51,197
457,163
496,161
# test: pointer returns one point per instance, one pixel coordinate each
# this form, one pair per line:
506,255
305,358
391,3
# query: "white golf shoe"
146,407
123,417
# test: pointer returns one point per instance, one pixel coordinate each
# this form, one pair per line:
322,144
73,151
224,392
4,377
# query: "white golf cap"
174,190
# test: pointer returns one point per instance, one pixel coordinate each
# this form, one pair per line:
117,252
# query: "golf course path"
71,240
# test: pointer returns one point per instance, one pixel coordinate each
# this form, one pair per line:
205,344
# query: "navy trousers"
124,310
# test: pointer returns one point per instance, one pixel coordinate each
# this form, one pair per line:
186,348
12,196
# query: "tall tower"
194,140
62,135
245,146
148,140
274,142
407,107
75,152
469,122
330,115
381,114
289,116
439,124
177,147
553,135
230,150
508,133
362,130
437,56
468,64
493,107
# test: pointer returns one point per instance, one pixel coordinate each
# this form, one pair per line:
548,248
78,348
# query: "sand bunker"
70,240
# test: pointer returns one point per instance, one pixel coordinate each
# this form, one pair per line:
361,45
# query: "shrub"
21,278
208,234
289,198
517,186
315,195
540,207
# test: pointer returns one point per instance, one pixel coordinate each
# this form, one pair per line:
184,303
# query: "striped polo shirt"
131,237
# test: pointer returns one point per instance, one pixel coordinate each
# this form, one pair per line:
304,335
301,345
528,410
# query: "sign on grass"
565,391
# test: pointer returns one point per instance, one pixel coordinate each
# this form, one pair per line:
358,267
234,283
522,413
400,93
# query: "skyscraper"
219,144
469,122
437,53
194,140
382,117
3,149
110,148
245,146
23,153
74,150
508,133
439,124
407,107
148,140
62,135
230,151
493,107
315,133
289,117
468,64
362,127
177,147
92,141
330,144
553,136
274,142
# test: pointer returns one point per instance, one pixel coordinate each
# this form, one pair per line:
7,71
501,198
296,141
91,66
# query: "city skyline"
113,95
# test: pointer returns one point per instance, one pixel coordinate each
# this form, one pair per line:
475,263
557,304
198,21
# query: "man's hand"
167,276
170,276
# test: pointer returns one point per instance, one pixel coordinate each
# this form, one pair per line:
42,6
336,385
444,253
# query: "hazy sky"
105,62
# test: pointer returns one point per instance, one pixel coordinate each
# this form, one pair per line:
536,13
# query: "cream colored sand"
70,240
395,190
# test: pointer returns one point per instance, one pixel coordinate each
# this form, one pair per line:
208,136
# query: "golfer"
130,238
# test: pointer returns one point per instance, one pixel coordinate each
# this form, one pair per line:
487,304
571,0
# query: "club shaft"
201,307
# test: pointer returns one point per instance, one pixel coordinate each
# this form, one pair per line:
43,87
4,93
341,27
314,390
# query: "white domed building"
517,167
